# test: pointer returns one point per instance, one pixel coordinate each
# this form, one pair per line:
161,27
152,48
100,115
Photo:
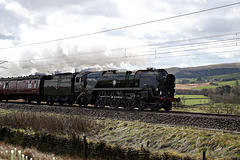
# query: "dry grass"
180,141
43,122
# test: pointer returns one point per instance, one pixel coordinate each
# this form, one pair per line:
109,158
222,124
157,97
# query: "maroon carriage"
27,88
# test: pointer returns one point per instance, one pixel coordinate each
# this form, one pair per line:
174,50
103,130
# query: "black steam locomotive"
151,88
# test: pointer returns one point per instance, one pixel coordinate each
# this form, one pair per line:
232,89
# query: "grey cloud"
105,8
3,36
42,4
211,25
150,37
9,23
220,25
100,7
121,33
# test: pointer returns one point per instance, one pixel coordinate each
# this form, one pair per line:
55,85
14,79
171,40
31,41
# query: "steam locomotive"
150,88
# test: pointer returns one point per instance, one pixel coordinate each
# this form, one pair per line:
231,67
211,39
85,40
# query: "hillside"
206,71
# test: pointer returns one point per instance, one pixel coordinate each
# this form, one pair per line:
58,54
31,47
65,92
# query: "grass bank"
219,108
112,135
177,140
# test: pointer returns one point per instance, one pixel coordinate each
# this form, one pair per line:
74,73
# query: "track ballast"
199,120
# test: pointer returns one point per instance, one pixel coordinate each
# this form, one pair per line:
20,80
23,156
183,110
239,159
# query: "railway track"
134,110
224,122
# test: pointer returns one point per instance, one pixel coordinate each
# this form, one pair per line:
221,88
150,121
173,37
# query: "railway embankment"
121,130
206,121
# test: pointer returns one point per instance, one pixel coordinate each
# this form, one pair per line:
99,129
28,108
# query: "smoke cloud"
99,52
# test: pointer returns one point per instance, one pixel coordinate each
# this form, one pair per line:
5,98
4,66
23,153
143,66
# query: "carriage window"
35,84
78,79
6,85
30,84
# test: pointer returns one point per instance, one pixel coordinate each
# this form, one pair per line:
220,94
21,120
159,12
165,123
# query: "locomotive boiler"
151,88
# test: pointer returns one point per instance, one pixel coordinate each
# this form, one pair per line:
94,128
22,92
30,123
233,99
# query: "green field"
226,76
230,83
193,99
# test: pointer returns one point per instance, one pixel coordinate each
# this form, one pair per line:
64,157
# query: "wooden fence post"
85,147
147,145
19,155
204,155
12,154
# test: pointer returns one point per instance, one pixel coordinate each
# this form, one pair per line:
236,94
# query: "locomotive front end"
166,90
161,85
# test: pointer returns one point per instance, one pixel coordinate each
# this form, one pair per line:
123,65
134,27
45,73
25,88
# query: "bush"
223,108
63,124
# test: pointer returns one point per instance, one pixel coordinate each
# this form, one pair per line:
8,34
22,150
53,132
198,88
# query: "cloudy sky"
66,35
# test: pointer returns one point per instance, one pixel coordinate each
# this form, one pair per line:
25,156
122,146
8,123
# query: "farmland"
202,104
193,99
199,86
218,84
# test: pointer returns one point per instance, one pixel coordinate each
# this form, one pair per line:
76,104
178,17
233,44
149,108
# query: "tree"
236,88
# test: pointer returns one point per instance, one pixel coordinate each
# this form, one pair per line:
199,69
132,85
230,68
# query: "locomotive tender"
150,88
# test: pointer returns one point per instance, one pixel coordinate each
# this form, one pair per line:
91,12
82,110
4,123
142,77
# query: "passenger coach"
29,88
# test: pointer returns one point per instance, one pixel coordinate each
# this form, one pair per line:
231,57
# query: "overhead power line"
179,44
93,62
2,62
125,27
195,50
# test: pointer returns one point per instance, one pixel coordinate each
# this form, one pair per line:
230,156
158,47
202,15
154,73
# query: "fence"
15,155
77,146
74,146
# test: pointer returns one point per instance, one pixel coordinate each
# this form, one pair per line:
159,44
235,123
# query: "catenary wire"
135,47
150,58
144,55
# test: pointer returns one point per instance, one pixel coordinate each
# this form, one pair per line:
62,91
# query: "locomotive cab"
80,82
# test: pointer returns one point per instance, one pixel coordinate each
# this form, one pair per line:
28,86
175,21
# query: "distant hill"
205,71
